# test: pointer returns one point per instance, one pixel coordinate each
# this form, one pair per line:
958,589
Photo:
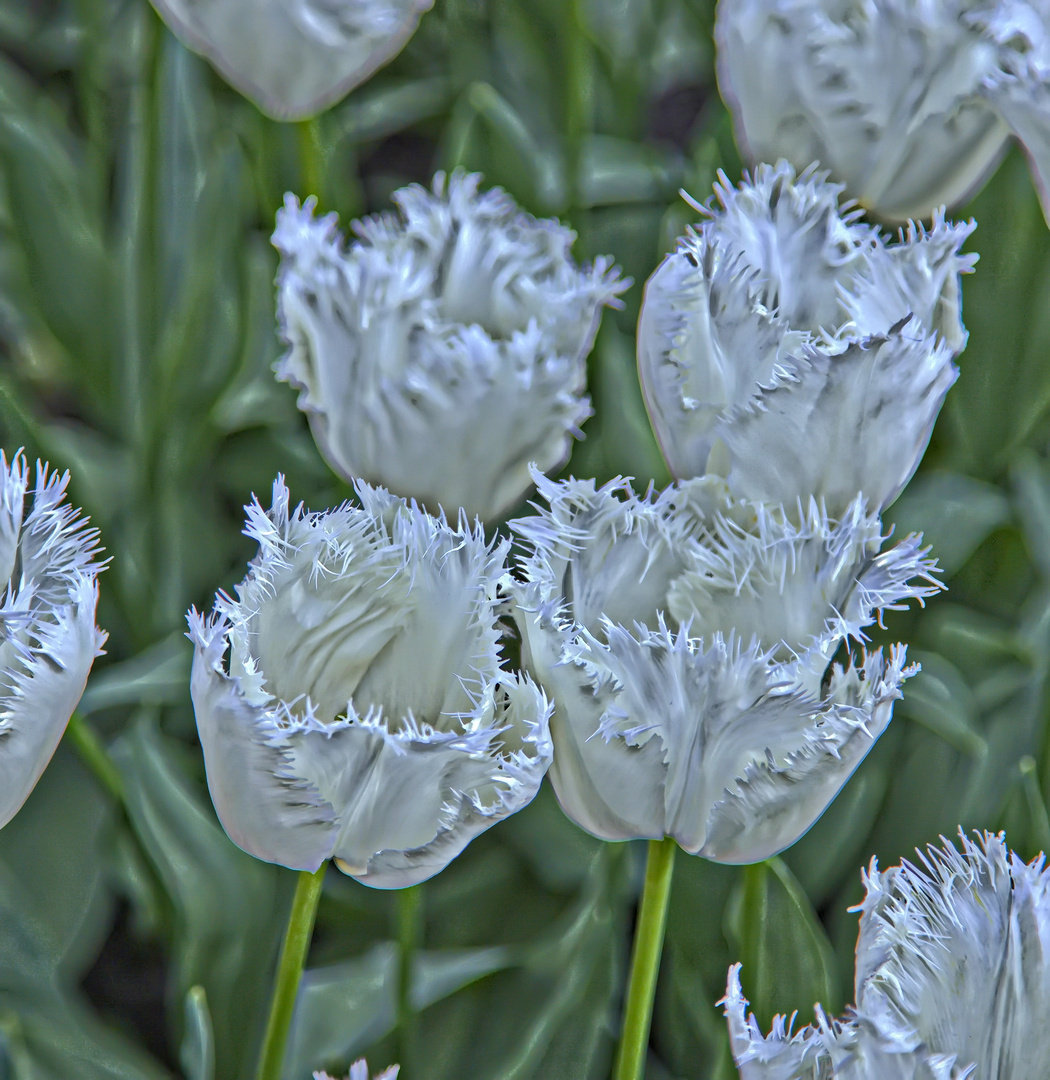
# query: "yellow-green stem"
311,158
409,923
93,754
645,960
289,971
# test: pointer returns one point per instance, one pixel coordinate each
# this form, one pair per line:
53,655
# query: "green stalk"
311,157
645,960
289,972
409,924
93,754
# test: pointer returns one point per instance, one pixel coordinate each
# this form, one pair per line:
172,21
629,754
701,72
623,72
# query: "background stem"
645,960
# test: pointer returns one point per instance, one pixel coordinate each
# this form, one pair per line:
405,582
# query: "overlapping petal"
350,701
294,58
788,346
48,636
909,104
688,641
445,349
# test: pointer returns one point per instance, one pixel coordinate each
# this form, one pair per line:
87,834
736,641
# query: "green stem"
409,925
754,916
311,157
94,756
289,972
645,960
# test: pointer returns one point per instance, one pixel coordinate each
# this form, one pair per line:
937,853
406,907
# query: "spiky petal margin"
445,350
431,742
359,1071
48,637
788,345
734,750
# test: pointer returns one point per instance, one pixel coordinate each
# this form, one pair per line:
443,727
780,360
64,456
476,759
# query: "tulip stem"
409,920
311,157
289,971
93,754
645,960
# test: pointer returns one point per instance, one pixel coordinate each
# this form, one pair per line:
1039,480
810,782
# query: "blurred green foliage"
137,335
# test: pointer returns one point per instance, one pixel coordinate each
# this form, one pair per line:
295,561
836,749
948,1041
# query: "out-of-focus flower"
789,338
952,979
687,641
294,58
445,350
362,713
48,637
910,104
359,1071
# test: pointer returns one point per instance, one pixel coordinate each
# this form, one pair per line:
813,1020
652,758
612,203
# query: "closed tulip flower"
687,641
908,104
445,349
786,345
359,1071
48,636
294,58
952,980
351,702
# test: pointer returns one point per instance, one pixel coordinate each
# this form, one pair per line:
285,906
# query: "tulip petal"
266,808
294,58
826,432
774,801
444,350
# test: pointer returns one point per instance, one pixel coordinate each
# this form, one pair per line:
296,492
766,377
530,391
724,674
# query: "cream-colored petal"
294,58
266,808
49,655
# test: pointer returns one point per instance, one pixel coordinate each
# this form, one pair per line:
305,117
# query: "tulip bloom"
445,350
294,58
952,979
786,345
688,641
47,623
351,703
909,104
359,1071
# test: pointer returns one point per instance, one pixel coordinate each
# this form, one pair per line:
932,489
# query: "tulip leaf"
229,907
197,1053
939,698
788,962
954,513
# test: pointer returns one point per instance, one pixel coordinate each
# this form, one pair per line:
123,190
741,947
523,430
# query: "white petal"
294,58
704,343
14,482
846,422
264,806
445,350
785,583
365,714
776,800
952,955
917,278
48,655
613,791
888,95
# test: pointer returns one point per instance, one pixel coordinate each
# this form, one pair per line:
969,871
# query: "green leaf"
939,698
788,962
954,513
229,907
197,1053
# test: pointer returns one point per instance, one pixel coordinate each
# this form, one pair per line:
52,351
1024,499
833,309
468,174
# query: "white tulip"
687,641
294,58
48,636
351,702
786,345
952,979
446,349
908,103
